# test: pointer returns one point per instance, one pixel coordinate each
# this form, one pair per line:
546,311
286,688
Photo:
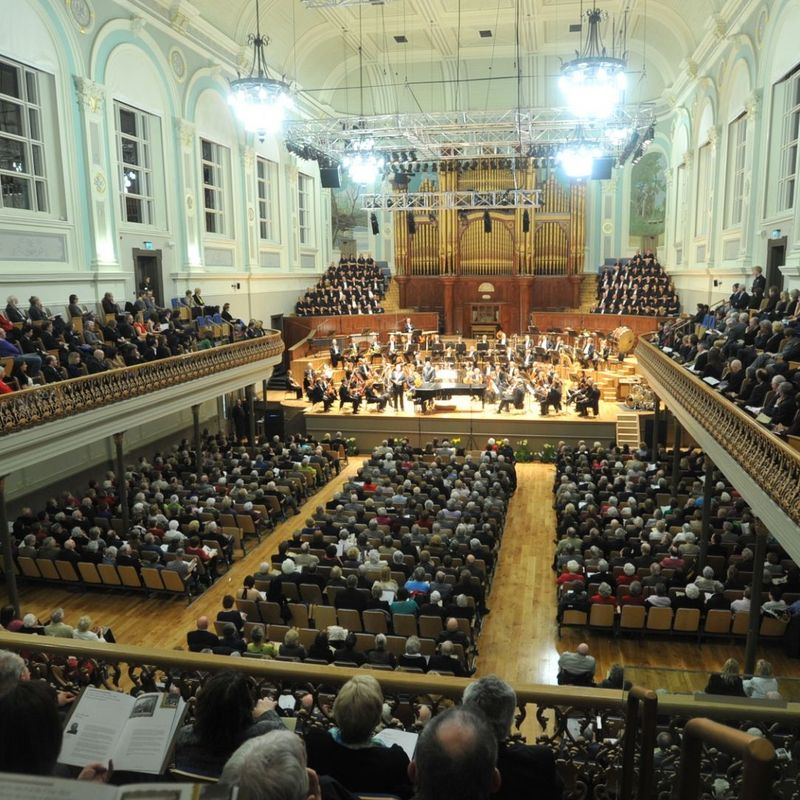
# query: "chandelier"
362,162
259,101
577,157
593,82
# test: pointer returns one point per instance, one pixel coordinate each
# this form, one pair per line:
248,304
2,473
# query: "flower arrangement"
522,452
547,455
352,448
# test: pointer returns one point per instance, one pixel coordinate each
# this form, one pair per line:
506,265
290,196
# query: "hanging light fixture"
361,160
593,82
577,157
260,102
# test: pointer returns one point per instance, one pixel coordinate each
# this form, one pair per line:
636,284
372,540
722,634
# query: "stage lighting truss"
458,135
443,201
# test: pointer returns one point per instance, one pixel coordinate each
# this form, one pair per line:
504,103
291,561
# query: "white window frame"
32,146
737,153
215,166
703,197
266,186
142,140
305,209
789,153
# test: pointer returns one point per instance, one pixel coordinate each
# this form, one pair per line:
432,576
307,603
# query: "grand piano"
428,392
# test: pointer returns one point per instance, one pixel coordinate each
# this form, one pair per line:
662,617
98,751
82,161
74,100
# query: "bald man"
456,758
577,668
201,638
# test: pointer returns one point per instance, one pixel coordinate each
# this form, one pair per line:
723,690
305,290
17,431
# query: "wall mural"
648,196
348,219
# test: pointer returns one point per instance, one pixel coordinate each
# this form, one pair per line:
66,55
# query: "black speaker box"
329,178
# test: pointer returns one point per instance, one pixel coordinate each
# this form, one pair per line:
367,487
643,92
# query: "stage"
460,418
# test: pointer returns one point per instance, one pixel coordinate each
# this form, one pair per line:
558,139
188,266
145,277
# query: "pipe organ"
446,260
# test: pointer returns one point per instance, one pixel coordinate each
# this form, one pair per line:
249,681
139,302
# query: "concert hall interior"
429,340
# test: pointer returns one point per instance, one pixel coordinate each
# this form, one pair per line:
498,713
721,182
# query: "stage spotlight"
526,221
373,220
411,223
487,222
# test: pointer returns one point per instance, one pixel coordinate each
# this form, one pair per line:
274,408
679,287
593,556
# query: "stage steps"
391,301
628,430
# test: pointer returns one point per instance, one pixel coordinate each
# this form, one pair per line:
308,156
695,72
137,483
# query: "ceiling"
446,65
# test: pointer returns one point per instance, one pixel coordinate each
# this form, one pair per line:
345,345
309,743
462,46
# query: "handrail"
757,755
647,701
766,458
399,682
52,401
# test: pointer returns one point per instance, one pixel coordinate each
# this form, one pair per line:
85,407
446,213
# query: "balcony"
763,468
62,417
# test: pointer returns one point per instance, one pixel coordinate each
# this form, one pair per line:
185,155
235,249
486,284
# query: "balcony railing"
53,401
604,741
767,460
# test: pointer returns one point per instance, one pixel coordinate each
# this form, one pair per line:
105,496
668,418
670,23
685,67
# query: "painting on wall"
648,196
348,220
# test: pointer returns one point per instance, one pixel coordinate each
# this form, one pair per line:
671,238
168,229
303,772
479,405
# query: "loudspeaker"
373,221
602,168
411,222
526,221
487,222
273,423
329,178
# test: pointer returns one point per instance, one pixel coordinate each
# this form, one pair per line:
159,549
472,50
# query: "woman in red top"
604,597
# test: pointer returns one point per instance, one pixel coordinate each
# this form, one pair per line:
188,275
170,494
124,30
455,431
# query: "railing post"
198,452
122,483
706,530
756,753
8,556
676,457
649,713
755,600
251,415
656,423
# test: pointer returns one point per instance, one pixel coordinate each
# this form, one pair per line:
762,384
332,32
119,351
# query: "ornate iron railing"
769,461
53,401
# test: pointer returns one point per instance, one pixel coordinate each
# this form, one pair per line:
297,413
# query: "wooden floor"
519,640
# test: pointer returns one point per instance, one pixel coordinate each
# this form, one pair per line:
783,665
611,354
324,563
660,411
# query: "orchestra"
519,371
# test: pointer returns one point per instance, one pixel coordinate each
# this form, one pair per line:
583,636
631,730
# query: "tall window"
134,148
305,211
23,180
213,164
737,148
265,178
703,200
787,174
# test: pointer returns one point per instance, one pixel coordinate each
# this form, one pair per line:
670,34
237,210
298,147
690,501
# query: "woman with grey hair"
521,766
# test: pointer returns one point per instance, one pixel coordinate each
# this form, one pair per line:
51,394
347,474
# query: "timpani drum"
624,338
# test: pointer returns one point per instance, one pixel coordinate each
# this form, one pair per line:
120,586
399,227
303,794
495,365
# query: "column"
251,415
198,448
251,202
122,483
706,531
676,457
8,557
717,195
656,423
101,204
449,312
192,256
753,107
755,599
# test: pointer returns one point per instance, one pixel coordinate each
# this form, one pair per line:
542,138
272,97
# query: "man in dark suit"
336,353
351,597
757,288
126,558
202,638
70,553
447,661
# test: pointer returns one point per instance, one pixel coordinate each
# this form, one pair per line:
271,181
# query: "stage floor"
460,418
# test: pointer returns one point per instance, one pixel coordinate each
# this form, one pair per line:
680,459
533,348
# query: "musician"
398,387
409,349
322,392
351,390
552,398
336,353
352,352
483,345
587,356
408,325
374,345
502,339
428,372
374,396
293,386
391,348
461,347
514,393
588,398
